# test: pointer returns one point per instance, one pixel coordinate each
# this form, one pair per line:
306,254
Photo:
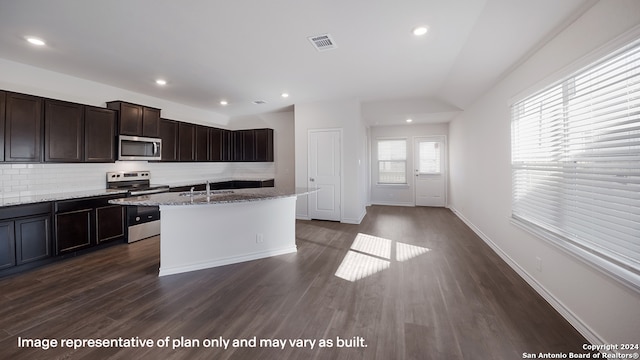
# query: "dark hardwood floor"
417,284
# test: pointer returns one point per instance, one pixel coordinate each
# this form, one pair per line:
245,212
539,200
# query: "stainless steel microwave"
139,148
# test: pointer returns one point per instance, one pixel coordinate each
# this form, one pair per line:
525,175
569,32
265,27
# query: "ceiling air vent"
323,42
259,102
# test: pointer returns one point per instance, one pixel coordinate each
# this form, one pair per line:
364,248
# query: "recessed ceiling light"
285,95
420,30
161,82
35,41
223,102
409,120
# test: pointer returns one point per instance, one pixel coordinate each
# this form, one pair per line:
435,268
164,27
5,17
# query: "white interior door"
430,171
325,174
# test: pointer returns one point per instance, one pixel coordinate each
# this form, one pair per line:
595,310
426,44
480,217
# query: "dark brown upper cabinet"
169,136
136,120
215,144
3,103
99,134
63,131
23,128
253,145
202,143
245,145
264,145
186,141
150,122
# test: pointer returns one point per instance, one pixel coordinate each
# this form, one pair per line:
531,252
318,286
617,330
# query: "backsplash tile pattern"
18,180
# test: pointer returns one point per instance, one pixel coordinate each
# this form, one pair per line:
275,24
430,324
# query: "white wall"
402,195
346,115
480,183
17,180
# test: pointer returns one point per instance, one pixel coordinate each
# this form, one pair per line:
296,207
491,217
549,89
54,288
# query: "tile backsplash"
40,179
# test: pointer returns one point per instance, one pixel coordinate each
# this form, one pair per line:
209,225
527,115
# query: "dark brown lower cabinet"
25,234
83,223
7,245
109,223
73,230
33,240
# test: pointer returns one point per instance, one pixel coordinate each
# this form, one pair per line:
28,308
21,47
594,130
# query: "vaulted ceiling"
247,50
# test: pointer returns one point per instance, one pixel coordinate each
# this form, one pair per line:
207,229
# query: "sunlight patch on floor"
405,252
371,254
356,266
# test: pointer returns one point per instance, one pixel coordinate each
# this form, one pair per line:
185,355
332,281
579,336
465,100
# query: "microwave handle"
155,148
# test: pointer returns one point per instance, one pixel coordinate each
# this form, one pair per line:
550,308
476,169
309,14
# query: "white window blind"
576,163
392,161
429,157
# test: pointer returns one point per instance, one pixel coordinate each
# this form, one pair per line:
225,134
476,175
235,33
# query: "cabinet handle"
312,179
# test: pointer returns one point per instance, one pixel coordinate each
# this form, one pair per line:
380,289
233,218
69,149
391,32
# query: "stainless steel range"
142,221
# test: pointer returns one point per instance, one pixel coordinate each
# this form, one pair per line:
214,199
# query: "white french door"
430,171
325,159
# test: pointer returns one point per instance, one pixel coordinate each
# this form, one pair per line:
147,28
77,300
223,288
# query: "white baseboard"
390,203
572,318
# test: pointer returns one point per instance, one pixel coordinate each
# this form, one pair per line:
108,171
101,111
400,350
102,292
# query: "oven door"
143,222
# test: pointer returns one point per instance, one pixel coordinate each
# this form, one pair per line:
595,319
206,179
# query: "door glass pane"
429,157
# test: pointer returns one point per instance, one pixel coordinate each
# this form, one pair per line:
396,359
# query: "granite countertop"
217,197
31,199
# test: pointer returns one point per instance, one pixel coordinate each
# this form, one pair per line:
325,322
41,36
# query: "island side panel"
195,237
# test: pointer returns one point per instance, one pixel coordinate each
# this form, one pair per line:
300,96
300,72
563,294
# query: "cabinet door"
169,136
186,137
215,144
109,223
245,145
33,241
202,143
22,128
228,145
150,122
3,102
130,119
7,245
99,134
264,145
64,131
73,230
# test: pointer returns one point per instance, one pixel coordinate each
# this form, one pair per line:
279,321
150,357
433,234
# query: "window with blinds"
392,161
576,163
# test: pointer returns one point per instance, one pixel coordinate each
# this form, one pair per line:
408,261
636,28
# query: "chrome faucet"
208,189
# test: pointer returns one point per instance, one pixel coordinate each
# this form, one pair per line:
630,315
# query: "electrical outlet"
538,264
259,238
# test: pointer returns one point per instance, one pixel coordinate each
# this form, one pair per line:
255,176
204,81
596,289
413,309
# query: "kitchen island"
228,226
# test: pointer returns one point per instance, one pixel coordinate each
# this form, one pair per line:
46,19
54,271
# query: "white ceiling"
245,50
